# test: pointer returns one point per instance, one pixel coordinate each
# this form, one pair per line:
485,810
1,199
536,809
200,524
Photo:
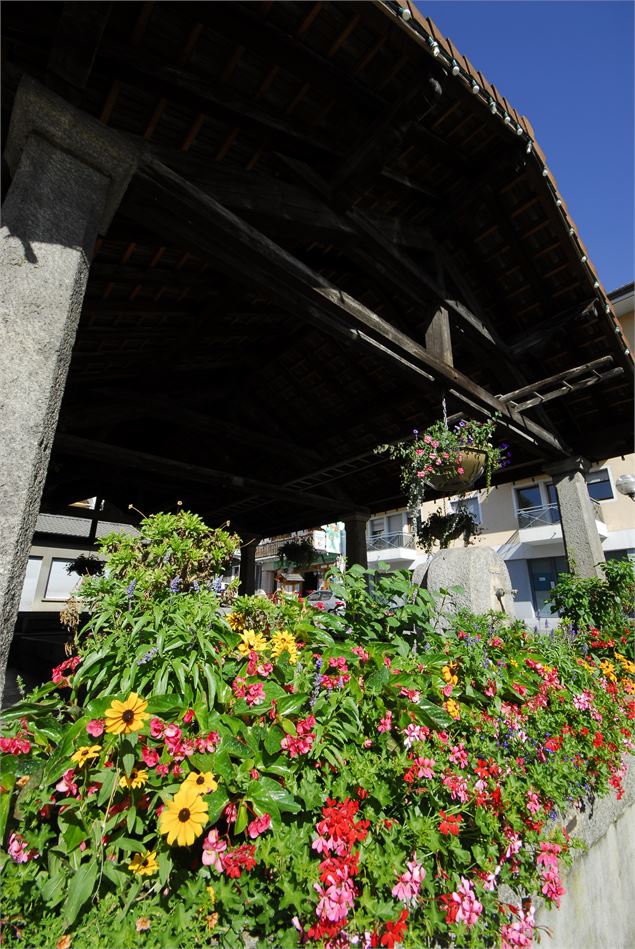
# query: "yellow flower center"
184,815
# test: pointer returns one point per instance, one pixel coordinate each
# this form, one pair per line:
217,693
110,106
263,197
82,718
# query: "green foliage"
274,709
298,553
596,601
441,528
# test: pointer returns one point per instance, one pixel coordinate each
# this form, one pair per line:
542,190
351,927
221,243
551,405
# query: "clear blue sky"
568,66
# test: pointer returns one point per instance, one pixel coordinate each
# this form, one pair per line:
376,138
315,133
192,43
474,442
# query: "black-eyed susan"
251,642
86,753
126,717
204,782
136,779
283,641
144,864
184,817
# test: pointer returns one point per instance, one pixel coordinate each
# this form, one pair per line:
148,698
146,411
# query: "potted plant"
442,528
448,458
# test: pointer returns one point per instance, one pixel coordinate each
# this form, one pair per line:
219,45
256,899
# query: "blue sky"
567,66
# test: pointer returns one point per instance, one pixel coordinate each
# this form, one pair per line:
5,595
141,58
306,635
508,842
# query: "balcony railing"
544,515
391,541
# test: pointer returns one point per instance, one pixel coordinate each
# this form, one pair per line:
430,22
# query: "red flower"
395,931
450,824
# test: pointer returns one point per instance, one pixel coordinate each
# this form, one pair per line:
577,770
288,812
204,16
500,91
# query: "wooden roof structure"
319,184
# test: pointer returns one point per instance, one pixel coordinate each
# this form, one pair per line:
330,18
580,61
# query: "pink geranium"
468,907
408,884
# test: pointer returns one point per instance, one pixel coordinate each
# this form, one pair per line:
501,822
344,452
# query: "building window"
30,583
376,526
528,496
599,485
543,572
467,504
60,584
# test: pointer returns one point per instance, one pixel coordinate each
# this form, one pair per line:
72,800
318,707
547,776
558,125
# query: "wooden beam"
198,221
438,337
601,363
568,388
106,454
541,333
75,44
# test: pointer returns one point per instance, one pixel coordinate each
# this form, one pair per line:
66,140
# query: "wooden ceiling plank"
199,220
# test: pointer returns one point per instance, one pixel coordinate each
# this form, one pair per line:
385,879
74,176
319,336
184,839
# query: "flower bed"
192,776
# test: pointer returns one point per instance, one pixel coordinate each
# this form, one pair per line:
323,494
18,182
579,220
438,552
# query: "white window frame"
455,503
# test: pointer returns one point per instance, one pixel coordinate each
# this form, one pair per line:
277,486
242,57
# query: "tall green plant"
595,601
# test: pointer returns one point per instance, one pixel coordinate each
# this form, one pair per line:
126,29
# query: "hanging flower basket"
441,529
447,478
448,459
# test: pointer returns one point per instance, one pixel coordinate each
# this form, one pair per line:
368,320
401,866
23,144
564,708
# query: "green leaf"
378,679
165,867
71,829
216,803
211,684
7,780
267,791
79,891
241,820
128,755
107,777
433,715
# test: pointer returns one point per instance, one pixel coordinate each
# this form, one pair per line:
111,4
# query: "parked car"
326,600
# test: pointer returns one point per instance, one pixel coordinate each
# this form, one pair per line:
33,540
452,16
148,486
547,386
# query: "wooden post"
247,585
356,550
438,338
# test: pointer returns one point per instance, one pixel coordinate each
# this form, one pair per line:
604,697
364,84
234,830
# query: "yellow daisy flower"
136,779
184,817
251,642
144,864
86,753
608,669
236,621
204,782
283,641
126,717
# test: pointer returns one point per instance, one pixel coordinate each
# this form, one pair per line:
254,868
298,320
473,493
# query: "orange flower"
64,942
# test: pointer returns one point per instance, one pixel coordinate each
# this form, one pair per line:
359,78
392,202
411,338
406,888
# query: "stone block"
482,574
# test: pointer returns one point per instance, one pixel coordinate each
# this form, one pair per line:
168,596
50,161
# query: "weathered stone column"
356,550
582,543
247,586
68,176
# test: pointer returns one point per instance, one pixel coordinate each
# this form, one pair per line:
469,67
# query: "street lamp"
625,484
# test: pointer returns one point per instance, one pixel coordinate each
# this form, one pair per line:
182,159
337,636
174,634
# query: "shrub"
596,601
303,777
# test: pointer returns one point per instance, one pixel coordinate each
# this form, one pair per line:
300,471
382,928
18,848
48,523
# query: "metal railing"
548,514
390,541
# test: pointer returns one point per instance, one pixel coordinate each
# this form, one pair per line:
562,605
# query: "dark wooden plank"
75,44
199,221
85,448
566,374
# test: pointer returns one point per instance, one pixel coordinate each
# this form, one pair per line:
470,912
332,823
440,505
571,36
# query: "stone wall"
597,911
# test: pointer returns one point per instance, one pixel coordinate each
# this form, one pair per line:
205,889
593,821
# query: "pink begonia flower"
150,756
259,826
231,813
212,847
255,694
156,727
208,743
95,727
162,770
385,723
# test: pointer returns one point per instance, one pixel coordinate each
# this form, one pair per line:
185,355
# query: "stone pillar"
247,586
68,176
356,549
582,543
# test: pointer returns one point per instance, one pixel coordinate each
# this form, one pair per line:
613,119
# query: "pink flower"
457,785
363,655
469,908
66,785
335,901
162,770
208,743
156,727
414,733
520,933
189,716
259,826
231,813
18,851
95,727
255,694
533,802
461,470
407,886
582,701
458,755
212,847
425,767
172,732
385,723
150,756
553,888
